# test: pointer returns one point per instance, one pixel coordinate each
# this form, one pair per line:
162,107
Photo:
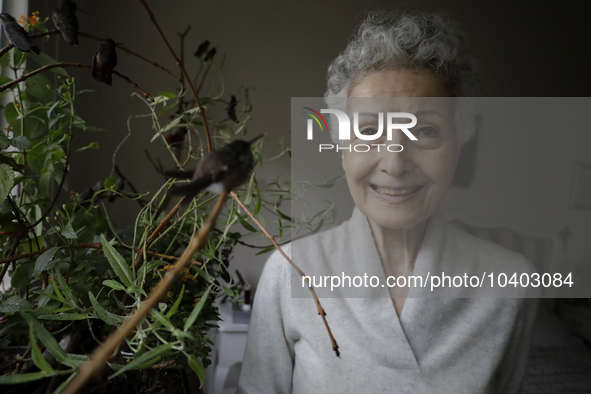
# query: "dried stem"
100,356
96,245
183,71
68,64
321,311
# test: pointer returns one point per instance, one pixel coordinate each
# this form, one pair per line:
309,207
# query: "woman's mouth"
398,194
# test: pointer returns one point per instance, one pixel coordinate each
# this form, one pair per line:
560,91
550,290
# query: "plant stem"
105,351
321,311
183,71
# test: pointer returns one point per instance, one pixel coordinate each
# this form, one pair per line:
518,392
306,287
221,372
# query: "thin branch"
321,311
96,245
100,356
183,71
68,64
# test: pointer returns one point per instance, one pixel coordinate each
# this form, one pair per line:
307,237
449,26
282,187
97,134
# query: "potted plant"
75,274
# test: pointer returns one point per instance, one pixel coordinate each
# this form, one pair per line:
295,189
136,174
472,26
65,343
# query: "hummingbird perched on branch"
17,34
104,62
65,20
225,168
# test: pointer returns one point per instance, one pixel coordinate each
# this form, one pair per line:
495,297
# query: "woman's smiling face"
401,189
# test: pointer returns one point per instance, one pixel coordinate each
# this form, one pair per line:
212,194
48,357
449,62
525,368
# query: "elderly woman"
398,344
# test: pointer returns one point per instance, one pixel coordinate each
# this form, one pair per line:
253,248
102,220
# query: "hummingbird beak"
255,139
118,44
78,9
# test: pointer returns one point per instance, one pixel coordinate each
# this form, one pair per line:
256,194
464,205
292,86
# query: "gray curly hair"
414,40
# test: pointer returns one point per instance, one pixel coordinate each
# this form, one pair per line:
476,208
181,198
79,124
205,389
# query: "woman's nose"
396,159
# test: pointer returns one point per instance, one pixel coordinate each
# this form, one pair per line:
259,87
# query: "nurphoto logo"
344,132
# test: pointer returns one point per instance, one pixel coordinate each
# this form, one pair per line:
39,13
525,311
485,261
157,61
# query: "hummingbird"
231,109
104,61
17,34
202,48
225,168
65,20
210,54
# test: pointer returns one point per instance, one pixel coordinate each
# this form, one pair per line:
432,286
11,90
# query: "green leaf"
10,113
4,141
117,367
37,356
168,95
65,288
6,181
113,284
43,260
284,216
47,339
92,145
106,316
68,231
37,86
118,263
44,181
266,250
257,208
14,304
176,304
57,291
245,224
64,316
228,291
248,195
21,142
43,59
29,377
143,358
161,319
197,367
110,183
195,313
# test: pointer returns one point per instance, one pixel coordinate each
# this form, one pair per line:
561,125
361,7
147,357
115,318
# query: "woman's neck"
398,248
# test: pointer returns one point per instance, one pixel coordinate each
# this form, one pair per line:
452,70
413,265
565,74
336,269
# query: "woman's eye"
428,132
369,131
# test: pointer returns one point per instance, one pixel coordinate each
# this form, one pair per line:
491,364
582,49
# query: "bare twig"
106,350
321,311
96,245
183,71
64,65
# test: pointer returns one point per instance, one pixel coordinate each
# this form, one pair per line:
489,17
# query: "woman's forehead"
399,82
418,106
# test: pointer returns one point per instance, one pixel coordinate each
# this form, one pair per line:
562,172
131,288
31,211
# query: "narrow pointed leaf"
143,358
197,367
43,260
36,354
118,263
191,319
